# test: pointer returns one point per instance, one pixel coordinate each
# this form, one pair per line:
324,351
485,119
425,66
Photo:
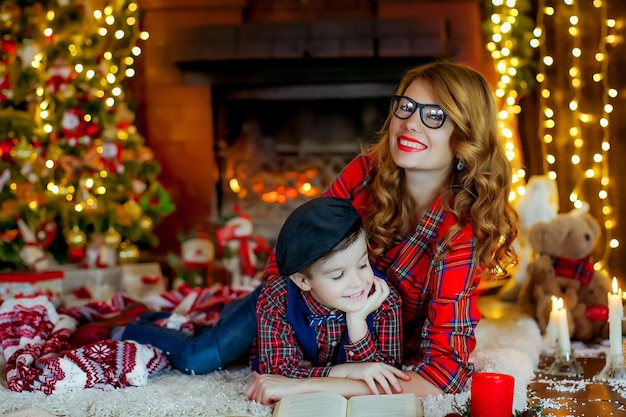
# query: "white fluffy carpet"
511,346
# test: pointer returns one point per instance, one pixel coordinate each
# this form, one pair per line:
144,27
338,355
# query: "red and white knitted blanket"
34,339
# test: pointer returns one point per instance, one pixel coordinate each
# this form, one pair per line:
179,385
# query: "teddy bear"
562,267
591,314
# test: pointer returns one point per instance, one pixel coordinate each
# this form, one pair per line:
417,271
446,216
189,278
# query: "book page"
316,404
392,405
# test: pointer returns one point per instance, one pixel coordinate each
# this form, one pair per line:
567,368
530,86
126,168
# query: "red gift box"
32,284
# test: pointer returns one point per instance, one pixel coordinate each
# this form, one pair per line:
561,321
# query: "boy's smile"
344,280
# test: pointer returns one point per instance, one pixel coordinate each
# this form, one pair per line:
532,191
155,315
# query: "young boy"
326,314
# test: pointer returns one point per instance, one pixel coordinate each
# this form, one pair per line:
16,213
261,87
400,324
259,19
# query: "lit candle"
562,328
491,395
616,313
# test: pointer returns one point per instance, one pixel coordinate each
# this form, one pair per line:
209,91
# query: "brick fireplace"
261,103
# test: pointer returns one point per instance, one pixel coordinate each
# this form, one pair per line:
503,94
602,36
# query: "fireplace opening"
278,146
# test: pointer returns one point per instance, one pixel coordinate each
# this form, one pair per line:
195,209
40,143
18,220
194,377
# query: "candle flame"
555,305
614,285
559,303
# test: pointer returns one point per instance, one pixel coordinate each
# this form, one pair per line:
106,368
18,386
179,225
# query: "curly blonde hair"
479,192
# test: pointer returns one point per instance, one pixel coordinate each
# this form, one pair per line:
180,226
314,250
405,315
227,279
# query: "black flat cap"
312,230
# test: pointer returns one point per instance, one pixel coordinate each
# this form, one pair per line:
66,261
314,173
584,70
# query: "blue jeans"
210,348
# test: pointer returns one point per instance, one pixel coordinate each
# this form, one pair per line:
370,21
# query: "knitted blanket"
34,339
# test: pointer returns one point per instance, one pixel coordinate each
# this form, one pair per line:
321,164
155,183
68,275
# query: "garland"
464,411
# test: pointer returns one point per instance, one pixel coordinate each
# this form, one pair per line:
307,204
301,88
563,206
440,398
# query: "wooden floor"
566,396
563,396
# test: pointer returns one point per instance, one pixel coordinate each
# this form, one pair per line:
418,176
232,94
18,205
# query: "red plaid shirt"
439,304
277,348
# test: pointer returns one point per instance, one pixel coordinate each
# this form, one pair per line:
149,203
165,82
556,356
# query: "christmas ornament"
33,256
112,238
76,238
146,224
156,199
5,87
128,253
27,52
9,14
133,209
8,45
73,127
46,233
23,153
5,149
60,75
111,156
76,255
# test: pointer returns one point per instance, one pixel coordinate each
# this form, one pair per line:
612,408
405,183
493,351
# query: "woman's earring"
459,165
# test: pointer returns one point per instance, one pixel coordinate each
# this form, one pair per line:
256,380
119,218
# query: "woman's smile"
407,144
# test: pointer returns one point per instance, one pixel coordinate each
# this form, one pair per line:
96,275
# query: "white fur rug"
510,345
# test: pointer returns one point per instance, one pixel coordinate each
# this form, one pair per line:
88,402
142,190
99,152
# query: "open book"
325,404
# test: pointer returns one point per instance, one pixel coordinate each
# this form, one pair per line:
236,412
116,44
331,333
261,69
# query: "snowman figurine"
240,250
198,253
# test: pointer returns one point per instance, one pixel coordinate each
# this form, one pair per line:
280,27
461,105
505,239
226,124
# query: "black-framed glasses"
431,115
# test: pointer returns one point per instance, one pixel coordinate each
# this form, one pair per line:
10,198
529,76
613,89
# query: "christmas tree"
77,183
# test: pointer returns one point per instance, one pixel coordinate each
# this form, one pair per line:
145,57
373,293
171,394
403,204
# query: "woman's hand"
268,388
374,374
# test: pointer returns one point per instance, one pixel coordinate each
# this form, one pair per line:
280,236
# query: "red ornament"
46,233
5,87
8,45
92,130
60,74
5,148
76,255
73,123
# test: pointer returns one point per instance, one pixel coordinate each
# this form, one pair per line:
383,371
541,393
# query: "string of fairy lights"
574,132
512,54
585,131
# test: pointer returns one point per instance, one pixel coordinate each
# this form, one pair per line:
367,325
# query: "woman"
433,192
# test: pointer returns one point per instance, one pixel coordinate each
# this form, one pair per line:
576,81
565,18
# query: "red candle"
492,395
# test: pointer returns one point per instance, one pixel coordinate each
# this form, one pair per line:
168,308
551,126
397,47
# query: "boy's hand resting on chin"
380,291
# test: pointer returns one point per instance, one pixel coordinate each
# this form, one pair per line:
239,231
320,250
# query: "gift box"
83,285
32,284
76,278
144,282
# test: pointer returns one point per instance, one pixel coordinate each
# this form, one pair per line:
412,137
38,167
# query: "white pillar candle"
563,328
616,313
